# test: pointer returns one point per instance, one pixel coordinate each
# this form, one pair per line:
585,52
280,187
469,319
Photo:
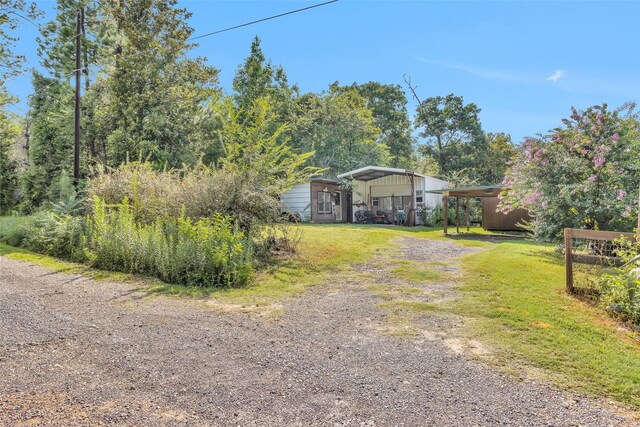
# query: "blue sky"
523,63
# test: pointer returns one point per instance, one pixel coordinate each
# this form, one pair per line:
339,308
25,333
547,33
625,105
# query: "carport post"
468,219
457,214
445,211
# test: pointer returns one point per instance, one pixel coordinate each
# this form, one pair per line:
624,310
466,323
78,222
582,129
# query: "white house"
381,190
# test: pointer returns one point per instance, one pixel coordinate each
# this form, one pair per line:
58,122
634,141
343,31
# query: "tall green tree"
340,129
500,152
51,145
257,78
13,14
51,105
453,133
151,100
388,104
8,164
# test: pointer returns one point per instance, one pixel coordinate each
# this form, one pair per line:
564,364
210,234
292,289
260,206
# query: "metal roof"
368,173
478,191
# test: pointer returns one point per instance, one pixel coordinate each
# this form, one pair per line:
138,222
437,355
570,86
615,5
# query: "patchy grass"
415,272
514,295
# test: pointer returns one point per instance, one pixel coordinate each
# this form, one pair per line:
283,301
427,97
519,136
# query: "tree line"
148,96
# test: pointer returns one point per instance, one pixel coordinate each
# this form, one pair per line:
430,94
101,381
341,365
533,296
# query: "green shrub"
198,192
14,230
206,252
620,291
59,235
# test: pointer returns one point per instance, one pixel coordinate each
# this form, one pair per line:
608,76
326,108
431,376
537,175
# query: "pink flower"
598,161
615,137
621,194
592,178
544,205
625,214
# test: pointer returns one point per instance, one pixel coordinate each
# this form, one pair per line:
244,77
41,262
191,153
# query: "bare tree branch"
407,80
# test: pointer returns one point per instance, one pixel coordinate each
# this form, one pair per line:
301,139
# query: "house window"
324,202
375,202
386,203
419,196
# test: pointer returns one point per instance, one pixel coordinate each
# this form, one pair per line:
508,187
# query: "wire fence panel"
597,249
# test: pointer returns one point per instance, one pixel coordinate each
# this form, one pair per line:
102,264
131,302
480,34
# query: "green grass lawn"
512,294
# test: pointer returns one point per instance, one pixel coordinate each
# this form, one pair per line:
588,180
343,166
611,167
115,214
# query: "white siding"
298,200
433,184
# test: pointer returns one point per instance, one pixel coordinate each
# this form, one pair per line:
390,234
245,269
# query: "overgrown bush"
59,235
206,252
620,292
15,230
198,192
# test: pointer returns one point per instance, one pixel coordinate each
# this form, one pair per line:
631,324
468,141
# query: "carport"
467,193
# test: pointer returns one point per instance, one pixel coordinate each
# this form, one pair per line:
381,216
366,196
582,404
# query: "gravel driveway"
77,352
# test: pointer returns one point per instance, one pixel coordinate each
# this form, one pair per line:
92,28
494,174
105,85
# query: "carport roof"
368,173
479,191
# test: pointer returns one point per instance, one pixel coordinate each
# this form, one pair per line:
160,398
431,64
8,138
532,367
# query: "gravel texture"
76,352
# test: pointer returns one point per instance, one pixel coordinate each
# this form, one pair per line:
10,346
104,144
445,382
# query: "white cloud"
557,75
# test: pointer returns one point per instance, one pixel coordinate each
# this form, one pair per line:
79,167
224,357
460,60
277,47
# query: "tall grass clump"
206,252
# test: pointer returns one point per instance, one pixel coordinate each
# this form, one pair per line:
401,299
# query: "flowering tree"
583,175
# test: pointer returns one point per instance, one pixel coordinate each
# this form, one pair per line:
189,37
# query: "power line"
262,20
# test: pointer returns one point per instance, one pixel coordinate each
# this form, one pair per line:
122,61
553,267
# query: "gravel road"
76,352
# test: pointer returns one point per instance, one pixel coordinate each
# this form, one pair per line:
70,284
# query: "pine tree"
8,165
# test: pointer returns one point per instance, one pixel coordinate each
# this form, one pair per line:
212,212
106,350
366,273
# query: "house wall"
397,185
298,200
326,218
492,220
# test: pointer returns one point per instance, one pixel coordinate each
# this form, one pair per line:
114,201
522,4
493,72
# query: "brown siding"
322,218
492,220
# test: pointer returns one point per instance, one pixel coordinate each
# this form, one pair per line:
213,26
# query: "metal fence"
590,247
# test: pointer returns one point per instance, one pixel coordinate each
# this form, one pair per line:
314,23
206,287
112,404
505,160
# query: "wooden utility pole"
76,134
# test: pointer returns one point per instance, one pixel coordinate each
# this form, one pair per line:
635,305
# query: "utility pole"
76,135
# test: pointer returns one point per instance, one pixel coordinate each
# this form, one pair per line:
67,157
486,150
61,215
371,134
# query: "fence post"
568,258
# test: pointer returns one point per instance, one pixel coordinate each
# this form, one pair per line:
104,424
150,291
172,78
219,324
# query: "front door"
338,202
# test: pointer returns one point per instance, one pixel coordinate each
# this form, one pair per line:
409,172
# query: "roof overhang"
368,173
480,191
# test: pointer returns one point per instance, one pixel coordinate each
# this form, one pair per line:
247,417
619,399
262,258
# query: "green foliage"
207,252
8,164
15,230
51,145
258,165
340,129
500,152
620,291
583,175
453,133
11,17
257,79
388,104
150,103
58,235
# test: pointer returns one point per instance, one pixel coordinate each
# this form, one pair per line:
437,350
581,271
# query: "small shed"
318,200
491,218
